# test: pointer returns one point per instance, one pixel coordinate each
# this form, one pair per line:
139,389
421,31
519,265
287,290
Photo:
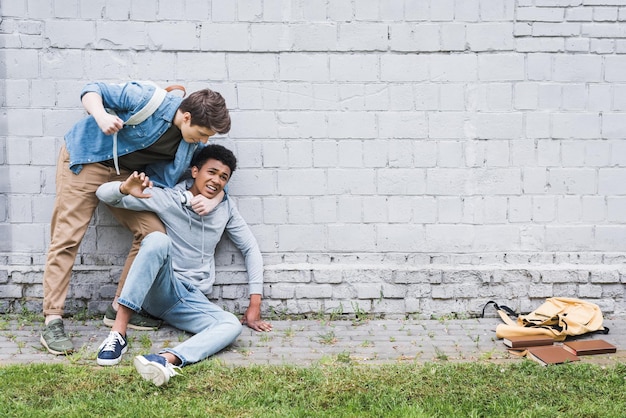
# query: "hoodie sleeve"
110,194
240,234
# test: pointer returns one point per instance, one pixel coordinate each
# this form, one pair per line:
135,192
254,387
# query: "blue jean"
152,285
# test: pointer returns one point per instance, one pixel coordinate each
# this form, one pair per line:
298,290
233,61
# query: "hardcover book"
554,354
589,347
524,341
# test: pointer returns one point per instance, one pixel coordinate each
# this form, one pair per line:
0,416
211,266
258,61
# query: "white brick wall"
409,156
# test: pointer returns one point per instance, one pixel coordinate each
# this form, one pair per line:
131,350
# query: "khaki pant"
74,206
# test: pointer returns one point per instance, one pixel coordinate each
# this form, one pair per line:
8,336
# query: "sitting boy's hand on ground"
252,318
258,325
135,185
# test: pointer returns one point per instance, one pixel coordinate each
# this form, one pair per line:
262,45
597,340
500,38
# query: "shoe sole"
55,352
151,371
111,361
109,323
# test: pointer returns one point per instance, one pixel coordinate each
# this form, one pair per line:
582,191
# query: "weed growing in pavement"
336,313
359,314
344,357
289,333
328,338
145,341
440,355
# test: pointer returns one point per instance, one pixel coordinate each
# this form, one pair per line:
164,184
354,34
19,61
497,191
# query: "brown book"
554,354
524,341
589,347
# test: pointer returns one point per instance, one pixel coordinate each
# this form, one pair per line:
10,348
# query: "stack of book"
543,350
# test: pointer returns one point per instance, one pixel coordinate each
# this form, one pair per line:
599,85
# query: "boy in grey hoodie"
173,272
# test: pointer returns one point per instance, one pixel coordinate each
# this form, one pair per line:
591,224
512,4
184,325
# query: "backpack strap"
144,113
153,104
502,311
176,87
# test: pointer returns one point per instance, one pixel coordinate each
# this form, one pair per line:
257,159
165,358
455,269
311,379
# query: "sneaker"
55,339
155,368
137,321
111,350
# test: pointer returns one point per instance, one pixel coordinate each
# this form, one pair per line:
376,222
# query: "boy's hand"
256,324
203,205
252,317
109,124
135,185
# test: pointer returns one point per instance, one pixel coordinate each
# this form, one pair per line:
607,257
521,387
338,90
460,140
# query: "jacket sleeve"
123,98
240,234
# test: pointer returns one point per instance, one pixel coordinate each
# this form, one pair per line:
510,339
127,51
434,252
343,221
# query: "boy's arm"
135,193
135,185
108,123
203,205
240,234
252,317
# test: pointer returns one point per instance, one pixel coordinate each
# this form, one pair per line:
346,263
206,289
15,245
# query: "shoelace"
171,369
57,331
109,343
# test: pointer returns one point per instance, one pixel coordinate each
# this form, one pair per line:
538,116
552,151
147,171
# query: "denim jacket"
86,143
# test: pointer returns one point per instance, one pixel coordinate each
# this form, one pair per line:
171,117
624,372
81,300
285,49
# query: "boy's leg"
185,307
214,328
152,266
74,206
140,224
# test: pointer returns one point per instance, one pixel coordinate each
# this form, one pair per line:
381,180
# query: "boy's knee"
156,241
234,325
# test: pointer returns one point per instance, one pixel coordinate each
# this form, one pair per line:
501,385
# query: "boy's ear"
194,171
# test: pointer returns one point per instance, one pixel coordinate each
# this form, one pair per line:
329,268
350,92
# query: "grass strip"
523,389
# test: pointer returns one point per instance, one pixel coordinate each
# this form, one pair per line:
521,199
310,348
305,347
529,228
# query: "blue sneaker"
155,368
111,350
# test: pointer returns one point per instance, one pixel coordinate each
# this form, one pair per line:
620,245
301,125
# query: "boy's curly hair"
215,152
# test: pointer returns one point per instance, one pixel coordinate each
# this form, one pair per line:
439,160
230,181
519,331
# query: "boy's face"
210,179
194,133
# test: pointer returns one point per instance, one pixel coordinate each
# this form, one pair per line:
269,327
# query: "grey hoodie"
194,237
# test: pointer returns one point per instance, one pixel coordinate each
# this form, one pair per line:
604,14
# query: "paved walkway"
304,342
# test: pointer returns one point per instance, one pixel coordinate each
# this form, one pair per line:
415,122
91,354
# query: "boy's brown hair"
208,109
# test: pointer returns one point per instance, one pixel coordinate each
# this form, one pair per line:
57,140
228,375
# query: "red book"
524,341
589,347
554,354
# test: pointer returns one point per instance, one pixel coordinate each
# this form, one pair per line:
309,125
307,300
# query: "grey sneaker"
55,339
137,321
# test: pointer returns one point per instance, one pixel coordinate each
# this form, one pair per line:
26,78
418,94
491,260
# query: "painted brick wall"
397,157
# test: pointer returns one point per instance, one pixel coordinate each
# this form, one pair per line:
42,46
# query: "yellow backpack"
557,318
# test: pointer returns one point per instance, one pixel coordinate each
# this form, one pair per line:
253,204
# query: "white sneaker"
155,368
